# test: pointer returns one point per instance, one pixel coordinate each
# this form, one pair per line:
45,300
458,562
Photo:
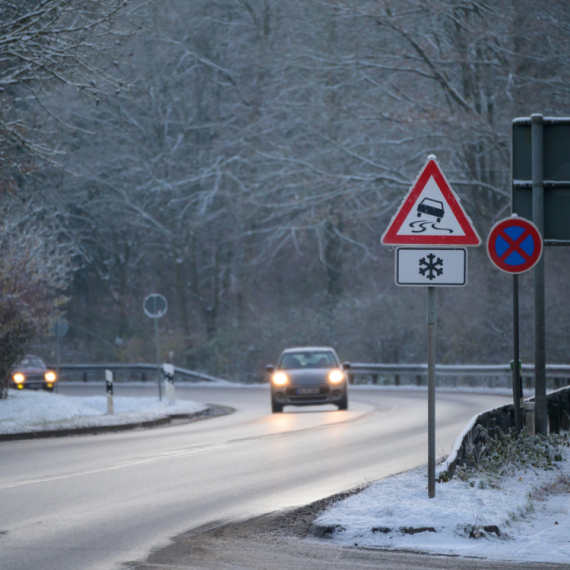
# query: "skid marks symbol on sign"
433,267
433,208
425,225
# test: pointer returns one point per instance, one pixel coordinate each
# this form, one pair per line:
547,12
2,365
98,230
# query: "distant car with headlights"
33,374
308,376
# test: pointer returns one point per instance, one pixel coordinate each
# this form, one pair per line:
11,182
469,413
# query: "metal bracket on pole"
431,321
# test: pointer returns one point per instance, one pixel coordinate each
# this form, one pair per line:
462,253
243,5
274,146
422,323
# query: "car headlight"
336,376
19,378
50,376
280,379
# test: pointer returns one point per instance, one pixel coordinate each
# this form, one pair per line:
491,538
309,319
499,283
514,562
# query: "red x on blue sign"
514,245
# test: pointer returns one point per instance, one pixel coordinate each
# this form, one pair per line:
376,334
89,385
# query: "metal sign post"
60,330
540,404
541,193
514,246
155,306
431,320
517,384
431,224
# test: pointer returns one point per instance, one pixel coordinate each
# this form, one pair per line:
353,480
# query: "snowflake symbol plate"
431,267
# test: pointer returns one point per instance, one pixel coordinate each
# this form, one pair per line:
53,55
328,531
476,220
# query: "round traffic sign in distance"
155,306
514,245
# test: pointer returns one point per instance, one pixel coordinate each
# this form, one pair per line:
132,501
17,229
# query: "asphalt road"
93,502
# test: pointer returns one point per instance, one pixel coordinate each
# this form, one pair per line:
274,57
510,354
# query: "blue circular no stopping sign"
514,245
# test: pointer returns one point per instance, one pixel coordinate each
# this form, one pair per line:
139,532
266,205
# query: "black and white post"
109,379
168,370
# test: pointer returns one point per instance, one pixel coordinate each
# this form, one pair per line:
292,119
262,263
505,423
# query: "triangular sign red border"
431,169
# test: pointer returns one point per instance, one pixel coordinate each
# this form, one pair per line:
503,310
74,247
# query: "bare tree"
35,268
42,43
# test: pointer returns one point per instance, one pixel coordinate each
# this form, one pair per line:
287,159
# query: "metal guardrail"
447,370
560,370
142,368
491,423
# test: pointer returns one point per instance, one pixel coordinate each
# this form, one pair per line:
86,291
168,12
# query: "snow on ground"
531,509
26,411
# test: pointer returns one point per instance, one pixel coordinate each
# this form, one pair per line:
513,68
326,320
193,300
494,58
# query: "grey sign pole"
516,372
155,306
540,408
427,262
56,361
60,330
158,374
431,321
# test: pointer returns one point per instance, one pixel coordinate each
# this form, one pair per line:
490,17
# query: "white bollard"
109,377
168,370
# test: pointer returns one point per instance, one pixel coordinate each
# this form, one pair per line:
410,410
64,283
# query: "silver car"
308,376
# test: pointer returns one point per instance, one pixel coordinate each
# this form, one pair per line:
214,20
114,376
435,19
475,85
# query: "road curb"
210,412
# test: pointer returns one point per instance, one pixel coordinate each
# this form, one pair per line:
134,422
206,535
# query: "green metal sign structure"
540,193
556,175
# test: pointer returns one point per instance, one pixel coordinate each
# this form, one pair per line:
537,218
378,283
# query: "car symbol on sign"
431,207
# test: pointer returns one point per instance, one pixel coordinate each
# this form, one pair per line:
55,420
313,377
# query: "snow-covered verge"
26,411
523,516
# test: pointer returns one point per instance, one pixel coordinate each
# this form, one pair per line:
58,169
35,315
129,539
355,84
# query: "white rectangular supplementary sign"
431,266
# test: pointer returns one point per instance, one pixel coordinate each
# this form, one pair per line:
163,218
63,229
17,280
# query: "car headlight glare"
19,378
280,379
336,376
50,376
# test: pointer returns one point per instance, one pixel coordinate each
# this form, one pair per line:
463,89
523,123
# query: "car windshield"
31,362
432,203
316,359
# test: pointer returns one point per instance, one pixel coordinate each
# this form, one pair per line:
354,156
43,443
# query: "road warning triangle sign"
431,214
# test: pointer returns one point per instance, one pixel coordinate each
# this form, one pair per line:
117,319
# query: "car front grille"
323,390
